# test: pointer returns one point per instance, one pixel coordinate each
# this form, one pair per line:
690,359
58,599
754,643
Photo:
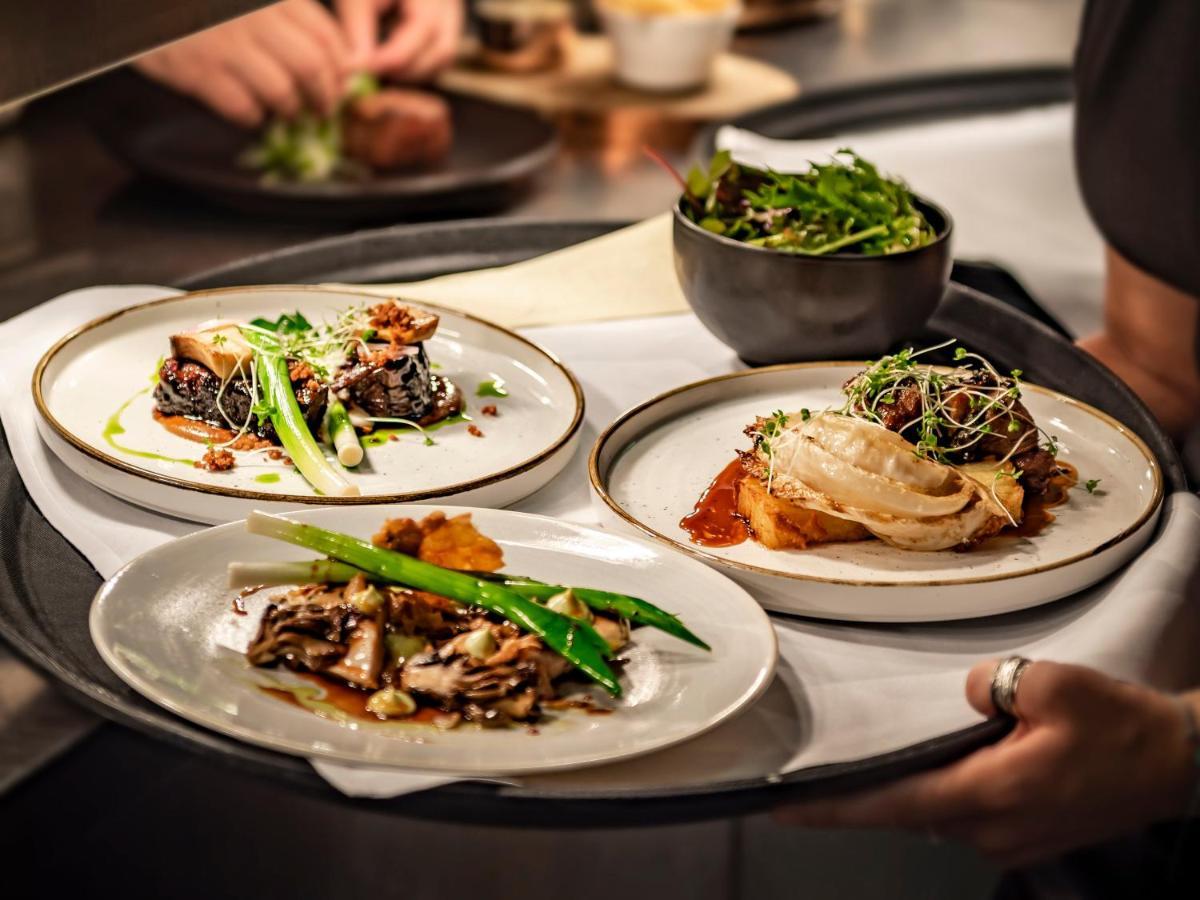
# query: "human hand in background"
1090,758
423,41
280,60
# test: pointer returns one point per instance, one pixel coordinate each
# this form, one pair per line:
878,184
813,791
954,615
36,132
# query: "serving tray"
46,587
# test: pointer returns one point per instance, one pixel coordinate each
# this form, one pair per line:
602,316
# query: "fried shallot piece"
452,543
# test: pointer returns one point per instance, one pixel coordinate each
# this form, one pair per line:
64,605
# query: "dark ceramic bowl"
774,307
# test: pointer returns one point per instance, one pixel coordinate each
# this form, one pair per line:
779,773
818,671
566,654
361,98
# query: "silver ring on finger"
1005,680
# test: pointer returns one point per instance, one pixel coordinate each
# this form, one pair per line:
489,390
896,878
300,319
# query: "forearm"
1174,404
1149,340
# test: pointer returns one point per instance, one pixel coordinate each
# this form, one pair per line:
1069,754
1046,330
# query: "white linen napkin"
621,275
843,692
1008,181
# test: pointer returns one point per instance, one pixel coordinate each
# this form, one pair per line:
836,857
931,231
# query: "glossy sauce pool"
203,433
349,701
715,521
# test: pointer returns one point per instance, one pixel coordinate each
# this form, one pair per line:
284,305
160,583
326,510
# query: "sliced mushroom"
364,655
218,345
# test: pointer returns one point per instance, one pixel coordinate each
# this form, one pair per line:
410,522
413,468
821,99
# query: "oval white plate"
649,468
165,625
83,380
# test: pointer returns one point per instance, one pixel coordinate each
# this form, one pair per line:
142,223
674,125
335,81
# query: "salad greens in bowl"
839,261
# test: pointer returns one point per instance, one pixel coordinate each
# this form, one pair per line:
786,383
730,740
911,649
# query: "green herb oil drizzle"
113,427
493,388
383,435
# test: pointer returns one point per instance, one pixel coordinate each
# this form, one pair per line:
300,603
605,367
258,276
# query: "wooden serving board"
585,85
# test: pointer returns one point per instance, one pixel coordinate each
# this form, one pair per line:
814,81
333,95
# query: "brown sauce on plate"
715,521
204,433
1036,514
352,702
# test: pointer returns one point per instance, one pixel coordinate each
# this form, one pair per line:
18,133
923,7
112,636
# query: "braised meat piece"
389,381
186,388
1013,436
397,129
1037,467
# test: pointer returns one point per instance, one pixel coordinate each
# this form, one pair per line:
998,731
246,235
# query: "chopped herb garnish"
1091,484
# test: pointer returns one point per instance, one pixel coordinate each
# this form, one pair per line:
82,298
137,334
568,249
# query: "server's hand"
1090,758
279,60
423,41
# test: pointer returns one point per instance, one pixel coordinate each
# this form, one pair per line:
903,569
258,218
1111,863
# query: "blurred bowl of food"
667,45
524,35
839,262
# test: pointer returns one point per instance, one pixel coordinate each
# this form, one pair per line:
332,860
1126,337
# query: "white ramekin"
667,51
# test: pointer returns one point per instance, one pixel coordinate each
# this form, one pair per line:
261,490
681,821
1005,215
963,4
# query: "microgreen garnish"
771,428
844,205
948,412
1091,484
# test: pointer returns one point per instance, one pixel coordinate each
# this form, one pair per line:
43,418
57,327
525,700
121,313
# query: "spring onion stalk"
270,574
576,641
279,403
342,434
635,610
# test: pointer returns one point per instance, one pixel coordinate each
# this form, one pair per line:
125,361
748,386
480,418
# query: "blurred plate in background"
496,154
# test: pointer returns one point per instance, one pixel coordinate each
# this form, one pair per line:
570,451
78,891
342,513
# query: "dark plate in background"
497,153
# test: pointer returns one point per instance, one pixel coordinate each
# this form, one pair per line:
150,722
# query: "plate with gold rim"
94,394
649,468
167,625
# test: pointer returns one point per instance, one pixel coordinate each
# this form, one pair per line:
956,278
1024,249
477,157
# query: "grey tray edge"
873,104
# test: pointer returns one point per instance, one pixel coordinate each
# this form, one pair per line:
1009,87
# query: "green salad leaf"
843,206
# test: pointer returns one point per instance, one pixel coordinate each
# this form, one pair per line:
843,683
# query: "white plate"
649,468
84,379
165,625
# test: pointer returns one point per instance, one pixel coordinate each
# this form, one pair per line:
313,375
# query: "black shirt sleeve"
1137,132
